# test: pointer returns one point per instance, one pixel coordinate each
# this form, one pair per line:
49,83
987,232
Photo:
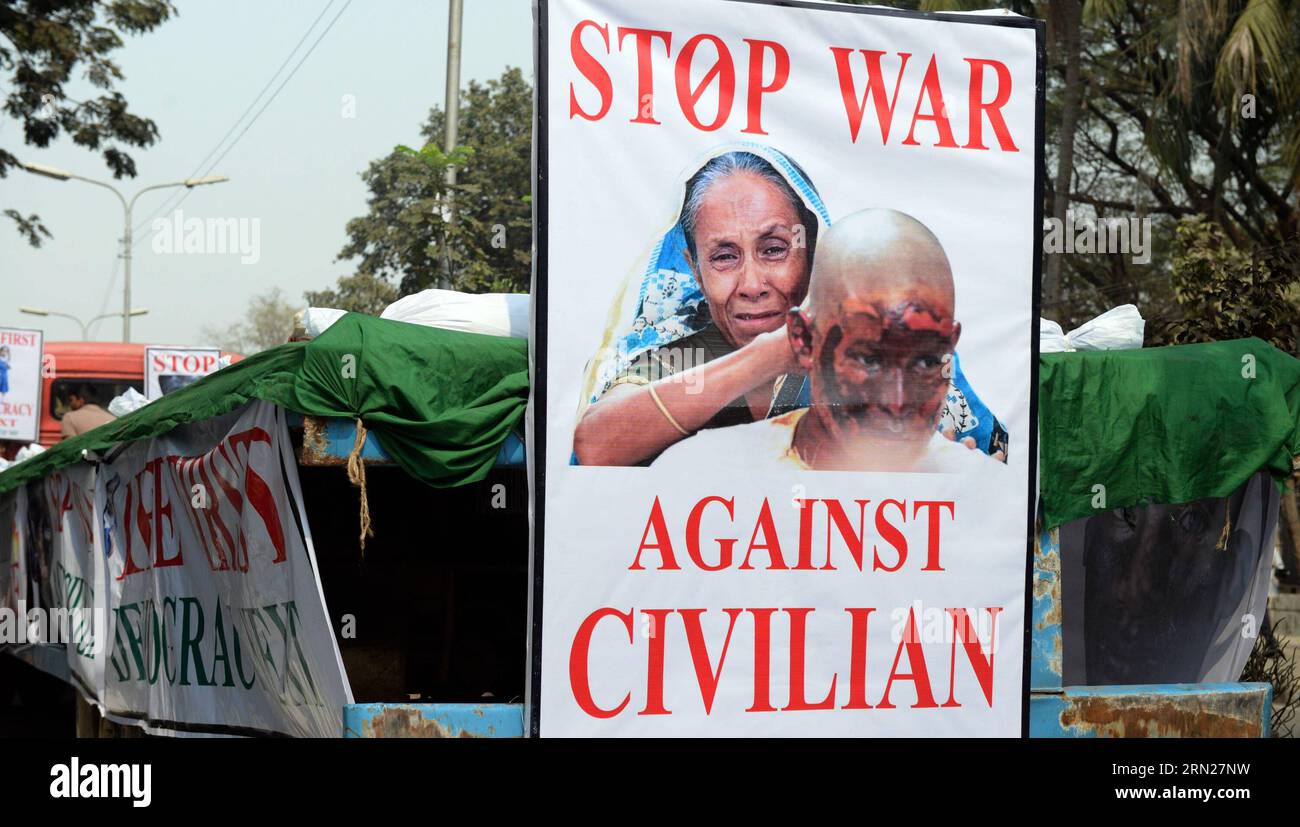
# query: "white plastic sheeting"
1119,328
494,314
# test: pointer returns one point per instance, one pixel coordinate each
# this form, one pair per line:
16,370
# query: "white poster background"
611,188
264,667
20,383
184,362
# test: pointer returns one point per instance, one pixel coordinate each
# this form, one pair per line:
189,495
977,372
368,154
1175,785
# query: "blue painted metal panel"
433,721
332,444
1047,644
1189,710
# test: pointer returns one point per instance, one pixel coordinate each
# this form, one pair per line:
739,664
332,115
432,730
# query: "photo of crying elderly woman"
704,343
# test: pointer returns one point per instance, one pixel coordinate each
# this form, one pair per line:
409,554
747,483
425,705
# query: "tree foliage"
1188,107
359,293
42,44
267,323
418,229
1230,293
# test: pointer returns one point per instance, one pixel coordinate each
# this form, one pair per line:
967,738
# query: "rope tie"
357,476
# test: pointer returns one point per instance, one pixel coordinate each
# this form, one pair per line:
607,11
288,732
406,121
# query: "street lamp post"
85,326
63,175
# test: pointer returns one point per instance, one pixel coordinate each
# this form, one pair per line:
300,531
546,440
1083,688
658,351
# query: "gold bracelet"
664,411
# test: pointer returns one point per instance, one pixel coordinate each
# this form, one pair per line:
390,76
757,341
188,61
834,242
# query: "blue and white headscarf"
670,305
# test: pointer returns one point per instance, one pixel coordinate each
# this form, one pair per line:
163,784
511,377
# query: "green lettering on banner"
168,666
190,639
259,636
123,673
292,607
220,654
156,632
239,658
132,637
281,625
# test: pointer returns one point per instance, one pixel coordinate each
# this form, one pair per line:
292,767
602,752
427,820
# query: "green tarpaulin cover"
1167,425
1162,425
441,402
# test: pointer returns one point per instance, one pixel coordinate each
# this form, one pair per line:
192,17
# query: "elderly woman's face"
748,263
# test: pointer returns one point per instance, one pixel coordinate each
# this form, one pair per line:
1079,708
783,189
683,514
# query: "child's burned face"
880,371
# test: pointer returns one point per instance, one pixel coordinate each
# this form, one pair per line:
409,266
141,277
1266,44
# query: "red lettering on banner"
934,509
798,657
765,536
762,660
662,543
579,679
858,660
725,544
771,542
705,674
757,89
591,70
964,633
919,676
645,81
931,89
993,108
854,107
890,533
722,69
259,493
835,516
654,685
211,528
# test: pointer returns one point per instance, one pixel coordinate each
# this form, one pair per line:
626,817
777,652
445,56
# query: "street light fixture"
63,175
85,326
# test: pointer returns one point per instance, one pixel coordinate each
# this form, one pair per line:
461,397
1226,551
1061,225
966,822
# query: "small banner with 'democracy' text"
21,354
783,420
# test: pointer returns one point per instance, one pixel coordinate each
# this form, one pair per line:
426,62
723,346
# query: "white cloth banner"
13,562
740,200
78,574
218,620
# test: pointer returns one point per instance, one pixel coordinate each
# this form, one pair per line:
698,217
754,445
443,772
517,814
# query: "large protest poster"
785,326
20,383
218,620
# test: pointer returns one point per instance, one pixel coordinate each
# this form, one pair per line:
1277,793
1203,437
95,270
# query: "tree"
407,232
1193,112
44,41
357,294
1229,293
269,322
1184,108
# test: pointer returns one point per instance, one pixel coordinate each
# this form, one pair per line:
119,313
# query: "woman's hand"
772,350
951,433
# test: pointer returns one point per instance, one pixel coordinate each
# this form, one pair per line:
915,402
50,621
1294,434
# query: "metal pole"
452,98
451,106
126,274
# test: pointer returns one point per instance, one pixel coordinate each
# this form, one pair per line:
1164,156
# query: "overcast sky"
295,170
